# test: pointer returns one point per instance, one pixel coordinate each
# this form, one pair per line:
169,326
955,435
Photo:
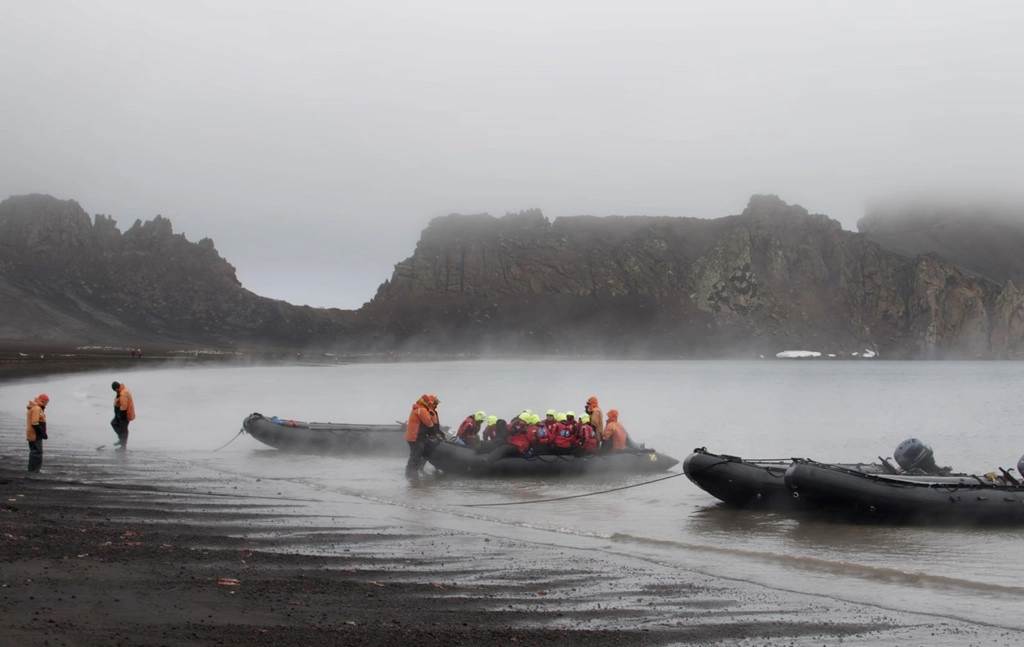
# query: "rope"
240,432
574,496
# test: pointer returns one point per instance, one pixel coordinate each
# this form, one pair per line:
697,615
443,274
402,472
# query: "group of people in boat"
526,435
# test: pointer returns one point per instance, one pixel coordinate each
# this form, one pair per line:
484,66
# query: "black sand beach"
30,359
94,552
105,564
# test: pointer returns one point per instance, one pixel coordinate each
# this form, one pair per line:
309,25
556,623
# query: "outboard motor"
1020,466
914,456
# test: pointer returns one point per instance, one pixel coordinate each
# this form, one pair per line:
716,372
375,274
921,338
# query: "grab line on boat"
574,496
240,432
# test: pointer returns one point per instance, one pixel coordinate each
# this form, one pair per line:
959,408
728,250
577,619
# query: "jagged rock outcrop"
63,276
1006,338
773,277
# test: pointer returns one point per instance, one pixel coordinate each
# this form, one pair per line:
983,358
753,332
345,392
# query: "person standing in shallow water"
124,412
35,431
423,422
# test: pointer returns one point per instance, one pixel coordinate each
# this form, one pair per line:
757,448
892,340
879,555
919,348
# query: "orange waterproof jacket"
614,431
420,415
593,409
123,401
34,415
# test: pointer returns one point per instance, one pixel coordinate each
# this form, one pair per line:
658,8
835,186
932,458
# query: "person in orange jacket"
35,431
423,423
615,437
593,409
124,412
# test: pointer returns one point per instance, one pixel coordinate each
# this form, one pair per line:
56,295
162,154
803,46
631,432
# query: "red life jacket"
564,436
490,433
468,430
516,426
539,436
589,434
521,442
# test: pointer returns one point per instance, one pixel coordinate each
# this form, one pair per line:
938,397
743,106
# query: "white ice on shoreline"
803,354
797,354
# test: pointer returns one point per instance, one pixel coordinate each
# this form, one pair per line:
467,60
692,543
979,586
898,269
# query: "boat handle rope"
573,496
708,468
240,432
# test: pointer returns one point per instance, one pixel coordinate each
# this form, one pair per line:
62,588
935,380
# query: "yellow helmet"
492,420
585,418
560,417
479,415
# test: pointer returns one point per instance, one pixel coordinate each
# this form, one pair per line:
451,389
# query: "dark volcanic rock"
63,277
773,277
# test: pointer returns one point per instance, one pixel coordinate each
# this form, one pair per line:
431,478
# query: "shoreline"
94,564
25,361
103,548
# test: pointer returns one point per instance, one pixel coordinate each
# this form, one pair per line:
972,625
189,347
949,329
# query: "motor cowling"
914,456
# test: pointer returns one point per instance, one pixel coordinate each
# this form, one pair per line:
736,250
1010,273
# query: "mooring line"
574,496
240,432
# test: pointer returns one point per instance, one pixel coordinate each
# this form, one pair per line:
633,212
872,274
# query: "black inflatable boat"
453,458
752,483
327,437
993,498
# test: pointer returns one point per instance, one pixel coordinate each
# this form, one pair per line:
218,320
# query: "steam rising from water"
832,411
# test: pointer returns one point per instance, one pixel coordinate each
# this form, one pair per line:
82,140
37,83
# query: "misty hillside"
772,278
64,276
984,240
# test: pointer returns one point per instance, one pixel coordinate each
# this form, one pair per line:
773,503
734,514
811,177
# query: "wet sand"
25,360
96,551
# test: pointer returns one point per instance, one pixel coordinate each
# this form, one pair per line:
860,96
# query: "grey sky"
313,141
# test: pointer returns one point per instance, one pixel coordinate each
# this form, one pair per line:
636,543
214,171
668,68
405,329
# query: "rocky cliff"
771,278
64,276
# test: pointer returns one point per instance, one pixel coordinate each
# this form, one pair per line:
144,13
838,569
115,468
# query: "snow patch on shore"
811,354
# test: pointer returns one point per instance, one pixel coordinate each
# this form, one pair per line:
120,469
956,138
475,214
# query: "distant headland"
910,284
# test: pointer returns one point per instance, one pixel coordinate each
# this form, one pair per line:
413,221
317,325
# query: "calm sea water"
970,413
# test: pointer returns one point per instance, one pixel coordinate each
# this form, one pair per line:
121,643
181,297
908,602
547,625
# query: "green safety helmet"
570,414
551,412
534,419
492,420
479,415
560,417
585,418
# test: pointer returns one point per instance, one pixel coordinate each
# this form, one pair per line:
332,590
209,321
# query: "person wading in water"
124,412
